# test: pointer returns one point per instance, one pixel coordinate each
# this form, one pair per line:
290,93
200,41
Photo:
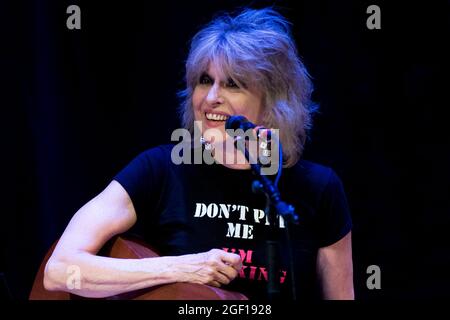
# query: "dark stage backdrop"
78,105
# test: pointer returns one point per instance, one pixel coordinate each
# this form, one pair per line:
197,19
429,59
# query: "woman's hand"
215,267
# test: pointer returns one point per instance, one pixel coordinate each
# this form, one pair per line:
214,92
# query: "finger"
231,259
237,266
214,283
220,271
264,134
222,277
257,130
228,271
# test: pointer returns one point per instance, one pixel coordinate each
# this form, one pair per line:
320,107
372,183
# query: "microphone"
238,122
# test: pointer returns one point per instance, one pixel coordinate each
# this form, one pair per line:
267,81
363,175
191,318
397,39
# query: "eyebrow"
205,73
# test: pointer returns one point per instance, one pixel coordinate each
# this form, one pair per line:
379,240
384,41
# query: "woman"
204,219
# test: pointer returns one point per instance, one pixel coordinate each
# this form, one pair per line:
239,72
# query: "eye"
205,79
231,84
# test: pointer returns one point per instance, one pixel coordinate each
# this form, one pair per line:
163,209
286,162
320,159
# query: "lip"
212,123
216,112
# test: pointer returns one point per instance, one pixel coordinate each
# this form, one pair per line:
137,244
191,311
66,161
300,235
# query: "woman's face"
216,98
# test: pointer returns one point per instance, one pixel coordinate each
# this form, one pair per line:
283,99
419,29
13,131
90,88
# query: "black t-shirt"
190,208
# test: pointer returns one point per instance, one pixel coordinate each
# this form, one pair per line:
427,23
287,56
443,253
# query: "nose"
214,96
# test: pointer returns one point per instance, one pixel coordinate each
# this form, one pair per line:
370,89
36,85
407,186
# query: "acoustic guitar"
127,248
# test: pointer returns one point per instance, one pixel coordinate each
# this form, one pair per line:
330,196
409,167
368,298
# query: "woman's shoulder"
155,157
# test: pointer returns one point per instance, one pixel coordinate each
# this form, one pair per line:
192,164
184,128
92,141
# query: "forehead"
216,69
223,71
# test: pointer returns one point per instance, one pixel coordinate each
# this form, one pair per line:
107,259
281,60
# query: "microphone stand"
275,207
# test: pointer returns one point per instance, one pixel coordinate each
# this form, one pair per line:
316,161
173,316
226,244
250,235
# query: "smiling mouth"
216,117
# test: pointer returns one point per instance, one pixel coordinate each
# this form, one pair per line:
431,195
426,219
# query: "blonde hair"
256,47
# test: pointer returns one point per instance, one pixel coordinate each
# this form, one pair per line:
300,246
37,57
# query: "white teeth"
216,117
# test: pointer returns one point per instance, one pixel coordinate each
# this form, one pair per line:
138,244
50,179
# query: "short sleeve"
143,177
334,219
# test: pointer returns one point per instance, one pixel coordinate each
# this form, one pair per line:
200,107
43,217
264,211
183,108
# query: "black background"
78,105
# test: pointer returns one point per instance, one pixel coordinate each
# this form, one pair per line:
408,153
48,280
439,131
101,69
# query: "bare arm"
335,270
111,213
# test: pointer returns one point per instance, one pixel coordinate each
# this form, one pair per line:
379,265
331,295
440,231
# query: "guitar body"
120,247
